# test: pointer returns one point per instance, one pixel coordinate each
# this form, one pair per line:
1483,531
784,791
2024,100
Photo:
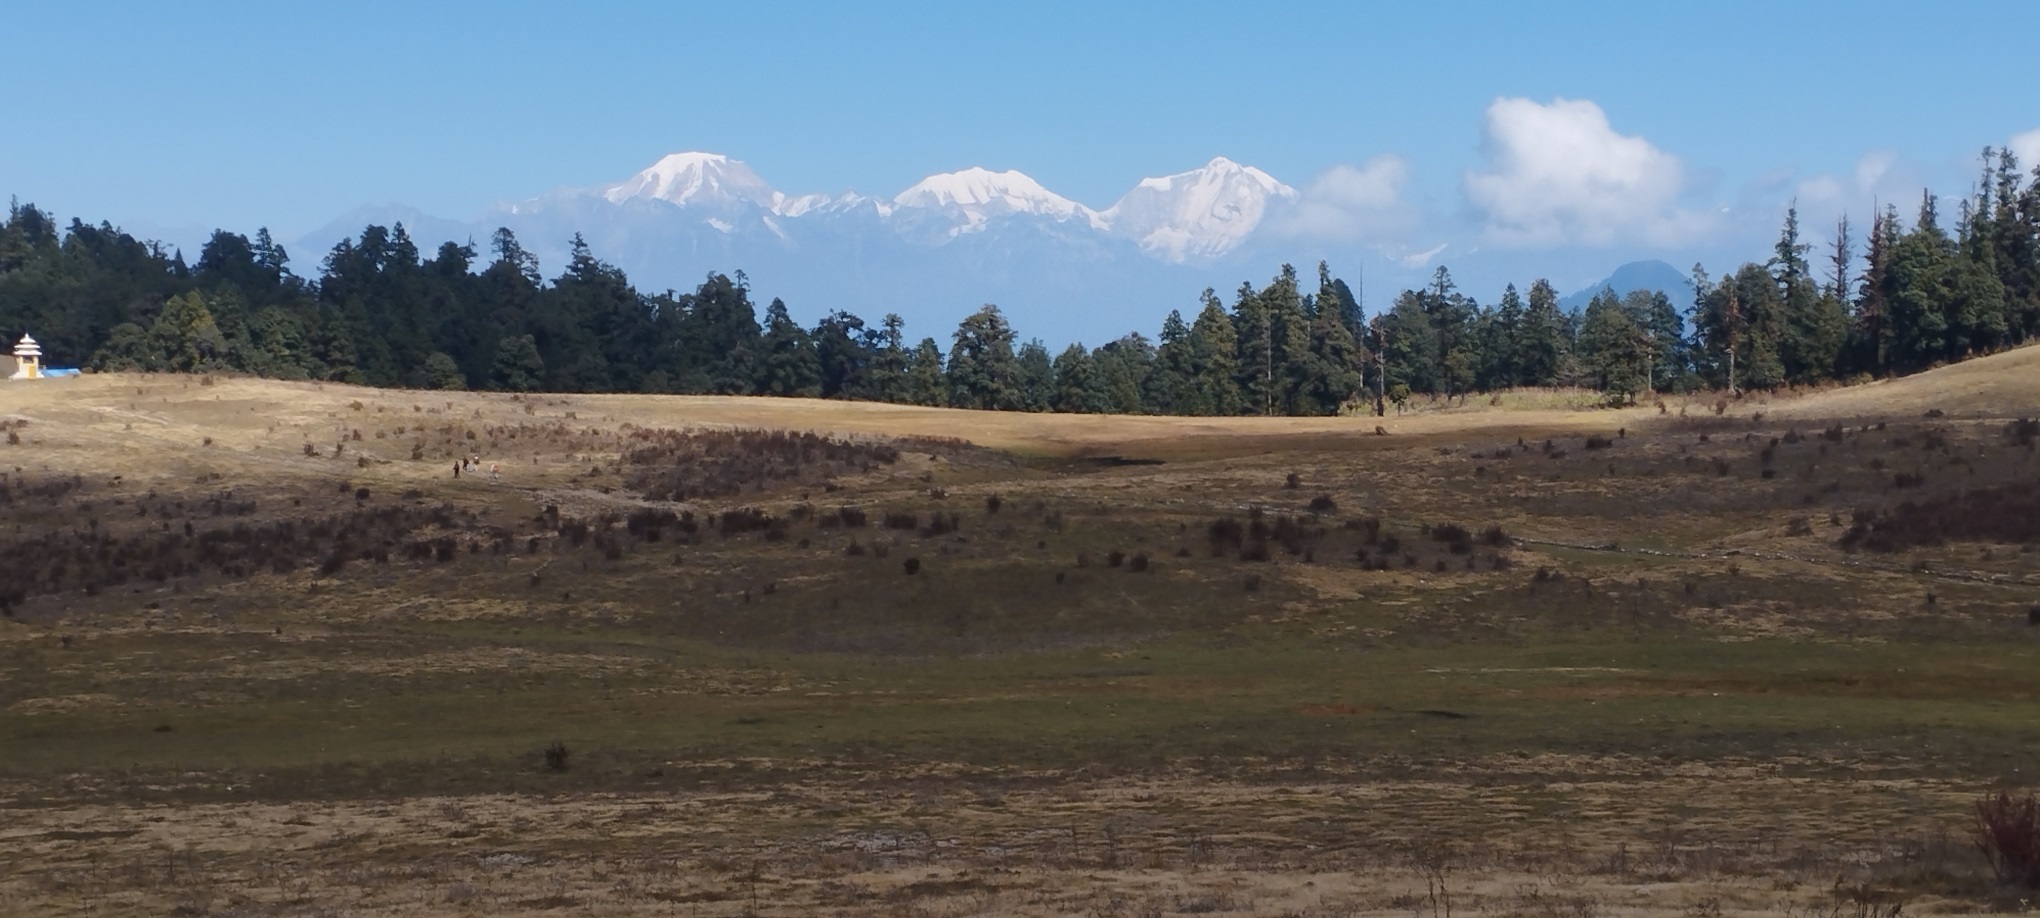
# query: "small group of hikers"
472,464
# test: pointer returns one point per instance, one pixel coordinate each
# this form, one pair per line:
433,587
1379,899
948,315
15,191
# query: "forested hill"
383,313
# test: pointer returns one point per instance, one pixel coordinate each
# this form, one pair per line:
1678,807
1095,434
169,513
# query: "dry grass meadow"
261,653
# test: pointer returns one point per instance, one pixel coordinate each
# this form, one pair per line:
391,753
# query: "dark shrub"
678,465
1323,503
992,503
1226,535
2009,514
2008,834
1137,564
556,756
1451,534
912,566
1293,482
1599,442
1115,558
941,524
1369,528
744,520
902,520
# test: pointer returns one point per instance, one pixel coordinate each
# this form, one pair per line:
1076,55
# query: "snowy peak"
696,180
1196,215
1202,213
976,195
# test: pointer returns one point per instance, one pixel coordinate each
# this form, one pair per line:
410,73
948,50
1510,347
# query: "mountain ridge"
1647,274
932,251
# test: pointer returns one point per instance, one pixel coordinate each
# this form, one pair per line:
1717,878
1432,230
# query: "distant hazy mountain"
933,252
1636,275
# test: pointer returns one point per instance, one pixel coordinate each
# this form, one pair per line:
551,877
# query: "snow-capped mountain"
696,180
971,199
1203,213
933,252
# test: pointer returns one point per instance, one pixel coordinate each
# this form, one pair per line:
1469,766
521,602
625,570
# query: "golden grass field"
253,674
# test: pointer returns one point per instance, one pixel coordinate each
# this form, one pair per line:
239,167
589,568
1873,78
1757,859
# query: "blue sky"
287,115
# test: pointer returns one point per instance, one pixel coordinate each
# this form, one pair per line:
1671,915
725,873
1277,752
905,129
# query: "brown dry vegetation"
263,654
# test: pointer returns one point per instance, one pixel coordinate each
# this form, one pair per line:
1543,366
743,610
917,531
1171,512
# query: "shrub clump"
2008,834
684,465
2009,514
1456,538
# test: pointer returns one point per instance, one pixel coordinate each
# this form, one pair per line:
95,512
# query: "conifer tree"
1541,344
1254,335
787,364
1076,382
442,373
1034,376
841,357
1333,369
1614,350
890,361
1289,337
1215,362
924,383
518,365
1498,334
981,362
1171,387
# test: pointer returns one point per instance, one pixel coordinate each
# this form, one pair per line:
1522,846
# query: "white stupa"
27,359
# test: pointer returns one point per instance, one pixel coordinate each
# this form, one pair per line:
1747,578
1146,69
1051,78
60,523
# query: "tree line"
381,312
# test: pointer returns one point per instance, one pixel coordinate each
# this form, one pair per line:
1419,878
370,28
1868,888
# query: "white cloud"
1876,178
1418,259
1354,203
1873,167
2027,146
1559,174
